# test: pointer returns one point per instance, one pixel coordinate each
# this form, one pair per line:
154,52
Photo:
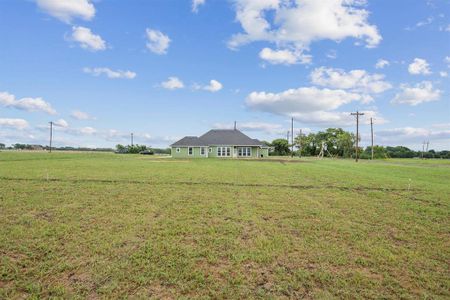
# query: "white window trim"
178,150
203,151
224,150
189,148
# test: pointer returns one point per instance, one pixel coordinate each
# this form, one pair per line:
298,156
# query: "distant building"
223,143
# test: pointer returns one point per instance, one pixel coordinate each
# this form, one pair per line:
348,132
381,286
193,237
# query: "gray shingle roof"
189,141
216,137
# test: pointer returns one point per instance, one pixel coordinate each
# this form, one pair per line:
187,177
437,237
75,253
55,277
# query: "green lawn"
81,225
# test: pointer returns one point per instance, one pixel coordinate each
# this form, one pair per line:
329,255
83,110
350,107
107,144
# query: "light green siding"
184,152
211,151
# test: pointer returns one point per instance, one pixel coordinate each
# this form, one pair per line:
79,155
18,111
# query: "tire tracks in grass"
215,183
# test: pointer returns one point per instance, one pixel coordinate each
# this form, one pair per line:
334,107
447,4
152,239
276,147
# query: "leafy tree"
281,147
2,146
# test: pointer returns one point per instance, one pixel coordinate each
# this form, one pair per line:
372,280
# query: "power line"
357,114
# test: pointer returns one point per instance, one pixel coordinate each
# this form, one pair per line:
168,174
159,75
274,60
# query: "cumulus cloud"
80,115
304,99
270,128
419,66
355,80
296,24
443,74
61,123
66,10
213,86
87,130
18,124
412,135
110,73
87,39
381,63
414,95
157,41
172,83
284,57
196,4
27,104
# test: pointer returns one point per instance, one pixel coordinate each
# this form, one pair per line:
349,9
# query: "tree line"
336,142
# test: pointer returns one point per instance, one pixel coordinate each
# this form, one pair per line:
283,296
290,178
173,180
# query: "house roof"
217,137
189,141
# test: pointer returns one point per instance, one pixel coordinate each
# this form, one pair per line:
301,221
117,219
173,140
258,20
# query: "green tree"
281,147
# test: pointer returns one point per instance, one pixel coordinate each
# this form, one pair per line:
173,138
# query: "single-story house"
221,143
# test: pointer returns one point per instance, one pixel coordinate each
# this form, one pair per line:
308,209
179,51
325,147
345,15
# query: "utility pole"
371,132
234,125
51,135
292,137
131,139
423,148
300,144
357,114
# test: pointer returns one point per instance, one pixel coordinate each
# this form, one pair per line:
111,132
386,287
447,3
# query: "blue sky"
165,69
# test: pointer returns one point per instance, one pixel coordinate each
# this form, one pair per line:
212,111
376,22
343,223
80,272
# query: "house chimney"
234,125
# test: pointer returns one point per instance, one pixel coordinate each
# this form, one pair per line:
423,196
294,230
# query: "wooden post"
357,114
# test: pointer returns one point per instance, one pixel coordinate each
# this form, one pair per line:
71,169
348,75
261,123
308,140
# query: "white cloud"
18,124
66,10
87,130
87,39
298,24
27,104
270,128
331,54
79,115
196,4
110,73
173,83
412,135
419,66
301,100
213,86
355,80
414,95
157,42
61,123
443,74
337,118
381,63
285,57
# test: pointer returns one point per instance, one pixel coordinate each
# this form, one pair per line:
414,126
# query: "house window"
223,151
210,150
202,151
190,150
178,150
245,151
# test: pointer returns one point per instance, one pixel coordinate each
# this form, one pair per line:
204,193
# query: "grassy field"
81,225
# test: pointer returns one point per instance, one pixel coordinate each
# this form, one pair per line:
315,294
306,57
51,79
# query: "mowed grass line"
89,239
